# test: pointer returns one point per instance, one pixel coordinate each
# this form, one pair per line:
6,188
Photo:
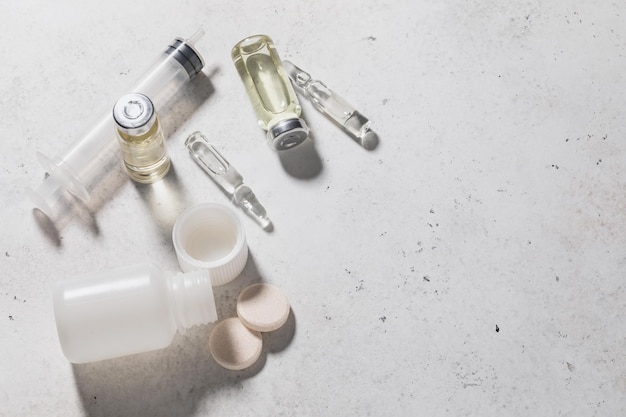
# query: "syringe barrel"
81,166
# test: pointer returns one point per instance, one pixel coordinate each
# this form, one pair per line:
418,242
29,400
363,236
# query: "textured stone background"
472,264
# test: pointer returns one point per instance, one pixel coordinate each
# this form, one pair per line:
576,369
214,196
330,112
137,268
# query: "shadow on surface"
173,382
165,199
302,161
166,383
180,108
280,339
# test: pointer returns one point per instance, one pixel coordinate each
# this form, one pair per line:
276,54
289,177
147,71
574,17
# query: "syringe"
81,166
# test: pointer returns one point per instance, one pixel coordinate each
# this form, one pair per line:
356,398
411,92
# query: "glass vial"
272,96
333,106
128,310
140,138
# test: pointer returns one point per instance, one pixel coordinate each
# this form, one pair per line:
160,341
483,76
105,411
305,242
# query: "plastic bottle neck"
193,301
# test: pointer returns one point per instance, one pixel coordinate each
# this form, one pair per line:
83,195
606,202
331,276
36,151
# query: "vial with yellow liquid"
270,91
140,138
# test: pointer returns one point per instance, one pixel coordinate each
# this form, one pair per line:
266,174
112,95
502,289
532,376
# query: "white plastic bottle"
333,106
80,167
129,310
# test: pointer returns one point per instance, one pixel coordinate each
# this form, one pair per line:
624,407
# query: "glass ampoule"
273,98
333,106
140,138
226,176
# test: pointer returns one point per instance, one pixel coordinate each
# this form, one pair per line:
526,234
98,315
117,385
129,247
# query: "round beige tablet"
233,345
262,307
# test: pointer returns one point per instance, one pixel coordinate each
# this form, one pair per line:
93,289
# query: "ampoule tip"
369,140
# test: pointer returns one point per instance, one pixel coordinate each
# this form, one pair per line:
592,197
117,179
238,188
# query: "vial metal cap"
134,114
287,134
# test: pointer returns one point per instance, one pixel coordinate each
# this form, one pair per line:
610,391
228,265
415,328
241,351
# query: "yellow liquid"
268,88
145,156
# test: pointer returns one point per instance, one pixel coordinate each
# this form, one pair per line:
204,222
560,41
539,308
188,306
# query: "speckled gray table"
472,264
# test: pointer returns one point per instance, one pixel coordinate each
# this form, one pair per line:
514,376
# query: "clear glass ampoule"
226,176
333,106
272,96
141,138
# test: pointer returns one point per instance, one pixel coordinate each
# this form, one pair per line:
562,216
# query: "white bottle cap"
210,237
